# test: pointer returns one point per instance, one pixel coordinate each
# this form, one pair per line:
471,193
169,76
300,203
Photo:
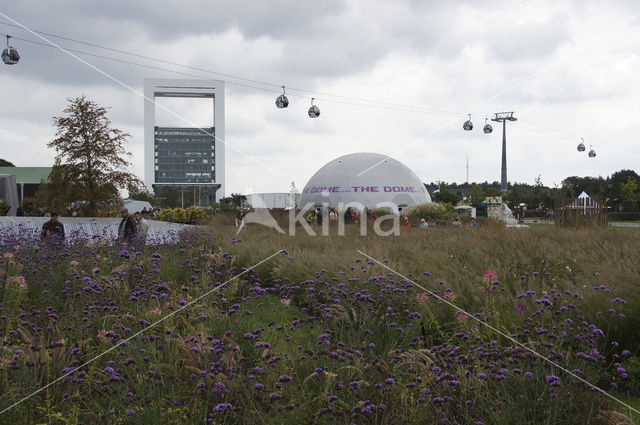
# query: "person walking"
52,230
127,227
142,228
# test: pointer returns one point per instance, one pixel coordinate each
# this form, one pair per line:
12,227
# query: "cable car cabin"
314,111
487,129
282,101
581,147
592,153
468,125
10,56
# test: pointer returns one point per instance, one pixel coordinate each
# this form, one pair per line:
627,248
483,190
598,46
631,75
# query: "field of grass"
320,333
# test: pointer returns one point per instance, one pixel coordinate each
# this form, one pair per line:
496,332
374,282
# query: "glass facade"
184,155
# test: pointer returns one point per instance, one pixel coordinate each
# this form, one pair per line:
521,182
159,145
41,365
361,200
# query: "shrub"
4,207
430,211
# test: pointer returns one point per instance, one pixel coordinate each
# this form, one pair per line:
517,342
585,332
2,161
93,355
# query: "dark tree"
93,156
235,199
5,163
446,196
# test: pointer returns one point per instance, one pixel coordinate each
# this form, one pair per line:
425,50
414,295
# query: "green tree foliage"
445,196
492,192
92,163
628,190
574,186
235,199
476,194
57,192
5,163
141,194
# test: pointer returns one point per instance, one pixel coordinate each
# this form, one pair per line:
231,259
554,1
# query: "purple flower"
553,380
274,396
130,412
222,406
284,378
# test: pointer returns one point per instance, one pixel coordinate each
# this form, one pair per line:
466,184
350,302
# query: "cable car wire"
268,84
275,88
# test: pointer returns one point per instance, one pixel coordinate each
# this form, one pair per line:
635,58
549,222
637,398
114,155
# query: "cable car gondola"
581,147
282,101
10,55
487,127
592,153
468,125
314,111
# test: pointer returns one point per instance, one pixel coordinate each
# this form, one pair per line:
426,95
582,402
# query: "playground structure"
581,212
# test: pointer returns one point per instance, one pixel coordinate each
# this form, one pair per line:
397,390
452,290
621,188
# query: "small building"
268,200
465,210
28,179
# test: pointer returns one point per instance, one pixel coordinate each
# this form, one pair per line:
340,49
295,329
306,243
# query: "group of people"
132,229
351,215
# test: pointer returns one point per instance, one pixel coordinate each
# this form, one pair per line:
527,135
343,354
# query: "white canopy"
583,195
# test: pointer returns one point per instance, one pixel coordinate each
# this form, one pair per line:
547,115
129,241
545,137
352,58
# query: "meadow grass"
320,334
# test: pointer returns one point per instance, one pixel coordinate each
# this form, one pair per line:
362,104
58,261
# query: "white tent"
9,192
133,205
583,195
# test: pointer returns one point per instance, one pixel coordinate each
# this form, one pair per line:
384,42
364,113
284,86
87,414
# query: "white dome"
389,181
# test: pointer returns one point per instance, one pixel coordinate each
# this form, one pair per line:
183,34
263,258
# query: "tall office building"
188,158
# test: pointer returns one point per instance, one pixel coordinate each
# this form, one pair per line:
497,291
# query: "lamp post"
503,117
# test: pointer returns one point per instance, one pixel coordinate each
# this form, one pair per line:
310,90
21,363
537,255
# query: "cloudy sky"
393,77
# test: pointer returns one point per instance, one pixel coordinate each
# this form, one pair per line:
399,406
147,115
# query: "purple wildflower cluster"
359,346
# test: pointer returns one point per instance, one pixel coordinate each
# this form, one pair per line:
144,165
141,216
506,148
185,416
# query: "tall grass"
320,334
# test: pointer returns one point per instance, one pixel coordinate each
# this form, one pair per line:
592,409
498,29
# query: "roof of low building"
27,174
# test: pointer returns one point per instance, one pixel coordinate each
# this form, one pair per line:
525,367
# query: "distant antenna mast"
503,117
467,169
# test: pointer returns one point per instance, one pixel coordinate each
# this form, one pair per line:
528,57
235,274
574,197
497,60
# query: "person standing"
52,230
127,228
319,216
348,216
142,228
240,217
423,223
311,217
